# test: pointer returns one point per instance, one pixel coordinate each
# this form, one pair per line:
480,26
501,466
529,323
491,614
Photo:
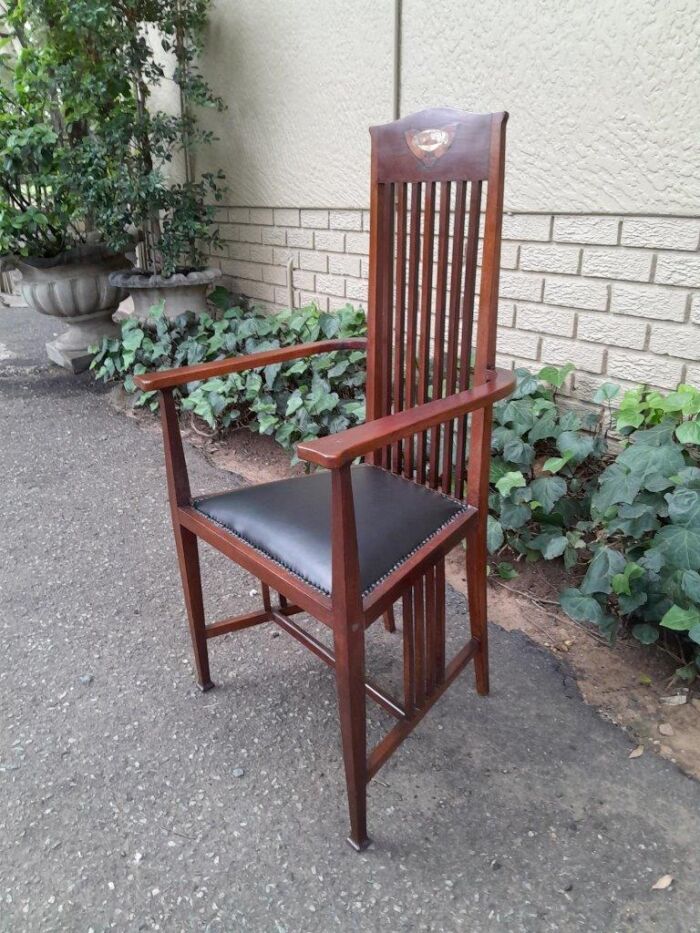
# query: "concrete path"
129,801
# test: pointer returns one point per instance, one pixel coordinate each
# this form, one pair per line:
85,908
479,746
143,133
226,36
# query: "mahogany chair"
344,544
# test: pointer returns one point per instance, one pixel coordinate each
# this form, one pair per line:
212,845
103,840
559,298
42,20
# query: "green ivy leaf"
578,445
621,581
680,546
690,584
526,384
543,428
513,515
497,470
645,633
616,485
634,520
645,462
508,482
133,339
554,464
606,563
684,507
494,535
548,490
580,607
551,544
606,393
681,620
694,633
555,375
506,571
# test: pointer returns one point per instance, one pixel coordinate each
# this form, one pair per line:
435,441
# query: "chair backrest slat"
428,176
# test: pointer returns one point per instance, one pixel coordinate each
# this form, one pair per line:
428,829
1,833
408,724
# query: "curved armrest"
338,449
169,378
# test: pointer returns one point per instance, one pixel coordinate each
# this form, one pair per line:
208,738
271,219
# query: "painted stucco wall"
303,80
603,96
601,257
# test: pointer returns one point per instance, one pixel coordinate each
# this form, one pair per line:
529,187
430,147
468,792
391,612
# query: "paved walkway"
129,801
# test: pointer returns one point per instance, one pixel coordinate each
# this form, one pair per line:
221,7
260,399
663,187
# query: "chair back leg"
476,596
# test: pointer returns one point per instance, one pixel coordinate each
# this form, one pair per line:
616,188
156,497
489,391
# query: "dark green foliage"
635,519
292,401
646,508
543,470
631,522
84,152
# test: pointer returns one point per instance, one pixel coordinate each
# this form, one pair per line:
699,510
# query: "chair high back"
429,171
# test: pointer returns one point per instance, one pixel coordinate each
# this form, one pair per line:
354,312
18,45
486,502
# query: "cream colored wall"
303,80
603,96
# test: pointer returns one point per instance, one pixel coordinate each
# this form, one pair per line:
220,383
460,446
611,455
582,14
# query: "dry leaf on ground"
636,752
666,728
664,882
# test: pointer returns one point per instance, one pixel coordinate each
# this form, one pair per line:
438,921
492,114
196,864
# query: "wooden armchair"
345,543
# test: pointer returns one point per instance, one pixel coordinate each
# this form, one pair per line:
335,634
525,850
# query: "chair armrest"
169,378
335,450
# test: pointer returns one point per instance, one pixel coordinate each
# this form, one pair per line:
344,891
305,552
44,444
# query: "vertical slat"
440,313
453,327
471,251
419,626
440,617
430,630
386,252
425,308
491,261
409,656
412,318
374,292
399,317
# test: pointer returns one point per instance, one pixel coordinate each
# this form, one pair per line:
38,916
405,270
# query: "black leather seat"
290,521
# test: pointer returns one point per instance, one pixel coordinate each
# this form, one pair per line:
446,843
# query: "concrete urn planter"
180,292
74,288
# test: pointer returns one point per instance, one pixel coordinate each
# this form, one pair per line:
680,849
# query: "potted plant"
160,193
45,229
89,169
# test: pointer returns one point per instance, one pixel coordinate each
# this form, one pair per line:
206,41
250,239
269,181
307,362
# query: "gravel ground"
130,801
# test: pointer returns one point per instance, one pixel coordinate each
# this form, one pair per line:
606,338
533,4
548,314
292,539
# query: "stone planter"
183,291
74,288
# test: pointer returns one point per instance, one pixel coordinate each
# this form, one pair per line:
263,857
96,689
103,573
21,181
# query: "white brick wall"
613,295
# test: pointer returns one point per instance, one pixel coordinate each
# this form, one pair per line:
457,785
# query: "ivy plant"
542,471
289,401
645,568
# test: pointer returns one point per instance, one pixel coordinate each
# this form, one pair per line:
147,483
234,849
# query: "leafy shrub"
86,154
632,520
646,512
289,401
543,471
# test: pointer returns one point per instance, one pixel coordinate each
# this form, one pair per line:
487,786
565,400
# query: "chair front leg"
188,557
477,554
349,644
